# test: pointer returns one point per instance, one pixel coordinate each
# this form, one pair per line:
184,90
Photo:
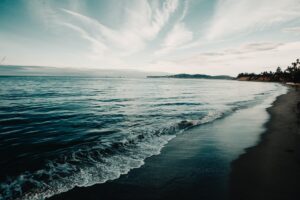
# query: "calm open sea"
60,132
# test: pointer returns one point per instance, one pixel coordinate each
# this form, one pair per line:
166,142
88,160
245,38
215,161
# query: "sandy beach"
271,170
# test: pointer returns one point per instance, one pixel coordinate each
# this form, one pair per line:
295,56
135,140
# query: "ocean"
57,133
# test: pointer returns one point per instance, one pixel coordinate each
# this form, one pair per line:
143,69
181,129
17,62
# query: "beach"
271,170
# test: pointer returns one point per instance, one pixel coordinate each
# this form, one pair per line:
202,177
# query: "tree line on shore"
290,74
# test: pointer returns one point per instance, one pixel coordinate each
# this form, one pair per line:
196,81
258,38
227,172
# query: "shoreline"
271,169
194,165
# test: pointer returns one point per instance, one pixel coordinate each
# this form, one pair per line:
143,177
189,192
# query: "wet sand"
271,170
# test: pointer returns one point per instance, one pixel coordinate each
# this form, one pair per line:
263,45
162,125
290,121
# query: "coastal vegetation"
289,74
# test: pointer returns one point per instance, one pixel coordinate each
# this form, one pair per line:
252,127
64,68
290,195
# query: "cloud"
177,37
142,22
242,51
95,31
233,17
145,19
97,45
249,57
295,30
254,47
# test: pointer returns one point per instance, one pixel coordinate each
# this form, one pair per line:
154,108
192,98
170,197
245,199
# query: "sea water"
60,132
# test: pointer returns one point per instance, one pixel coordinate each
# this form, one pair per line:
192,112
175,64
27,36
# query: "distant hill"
194,76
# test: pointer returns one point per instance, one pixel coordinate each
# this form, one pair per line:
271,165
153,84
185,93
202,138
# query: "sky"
175,36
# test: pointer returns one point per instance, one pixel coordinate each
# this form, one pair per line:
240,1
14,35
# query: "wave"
180,104
90,164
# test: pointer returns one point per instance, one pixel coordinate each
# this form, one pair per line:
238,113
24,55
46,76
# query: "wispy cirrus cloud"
233,17
240,52
145,19
178,36
257,57
294,30
141,23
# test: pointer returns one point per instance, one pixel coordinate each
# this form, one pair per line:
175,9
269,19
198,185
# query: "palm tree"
278,70
289,69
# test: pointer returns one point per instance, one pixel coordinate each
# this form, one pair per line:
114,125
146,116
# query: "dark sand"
271,170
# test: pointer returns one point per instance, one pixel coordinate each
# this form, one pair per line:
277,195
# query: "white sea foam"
109,168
